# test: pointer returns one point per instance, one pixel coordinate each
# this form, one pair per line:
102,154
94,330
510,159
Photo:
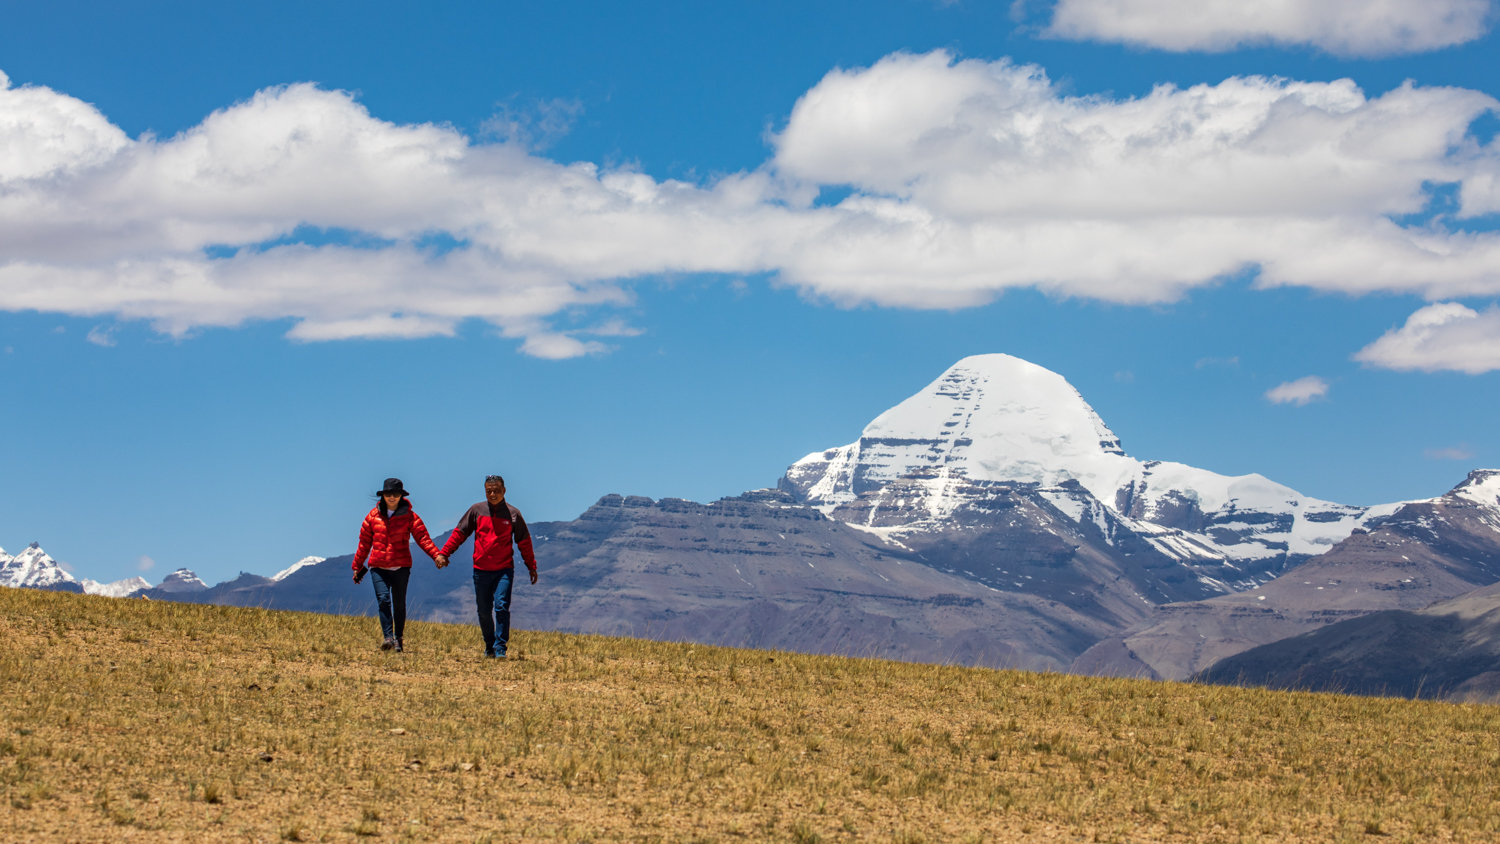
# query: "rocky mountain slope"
1427,551
750,571
1448,651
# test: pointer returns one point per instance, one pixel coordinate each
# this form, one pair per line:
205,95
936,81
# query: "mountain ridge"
991,518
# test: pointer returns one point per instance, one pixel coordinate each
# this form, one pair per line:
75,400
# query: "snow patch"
300,564
117,589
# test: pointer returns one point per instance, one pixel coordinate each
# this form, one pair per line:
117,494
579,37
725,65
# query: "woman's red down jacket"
383,539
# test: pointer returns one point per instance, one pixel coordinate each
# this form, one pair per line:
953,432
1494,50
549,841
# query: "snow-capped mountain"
182,580
994,421
1427,551
34,568
1482,487
117,589
300,564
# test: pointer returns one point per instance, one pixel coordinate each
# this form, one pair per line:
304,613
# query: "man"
495,525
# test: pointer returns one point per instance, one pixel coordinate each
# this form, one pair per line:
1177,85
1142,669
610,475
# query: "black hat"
393,485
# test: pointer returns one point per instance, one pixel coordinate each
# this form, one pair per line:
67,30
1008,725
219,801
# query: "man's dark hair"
493,479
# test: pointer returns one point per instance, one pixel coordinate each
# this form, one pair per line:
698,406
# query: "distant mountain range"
1425,552
36,569
990,519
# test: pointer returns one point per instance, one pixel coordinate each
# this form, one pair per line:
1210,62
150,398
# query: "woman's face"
391,499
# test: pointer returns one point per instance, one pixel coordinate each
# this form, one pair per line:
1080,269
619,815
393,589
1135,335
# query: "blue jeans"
492,595
390,597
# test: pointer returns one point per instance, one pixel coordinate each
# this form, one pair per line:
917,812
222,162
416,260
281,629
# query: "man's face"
494,492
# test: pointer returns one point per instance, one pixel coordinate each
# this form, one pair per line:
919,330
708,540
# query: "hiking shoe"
388,644
400,646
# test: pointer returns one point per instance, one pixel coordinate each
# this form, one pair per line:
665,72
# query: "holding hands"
441,560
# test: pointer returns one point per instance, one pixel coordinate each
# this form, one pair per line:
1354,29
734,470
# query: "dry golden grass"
136,720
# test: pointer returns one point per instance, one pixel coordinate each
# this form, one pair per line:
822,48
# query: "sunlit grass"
156,721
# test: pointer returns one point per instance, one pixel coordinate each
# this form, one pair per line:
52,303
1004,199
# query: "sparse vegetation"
158,721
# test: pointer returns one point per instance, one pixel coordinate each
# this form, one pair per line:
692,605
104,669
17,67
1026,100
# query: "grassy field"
136,720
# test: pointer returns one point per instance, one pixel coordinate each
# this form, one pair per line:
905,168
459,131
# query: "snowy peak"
33,568
996,420
300,564
997,406
988,418
1481,487
1479,496
182,580
117,589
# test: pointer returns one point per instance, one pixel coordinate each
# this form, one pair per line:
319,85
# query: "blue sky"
253,260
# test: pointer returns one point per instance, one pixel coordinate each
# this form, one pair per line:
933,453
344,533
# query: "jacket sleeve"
366,537
460,533
424,539
522,535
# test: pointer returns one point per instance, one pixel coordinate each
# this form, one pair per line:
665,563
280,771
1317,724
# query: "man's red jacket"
493,529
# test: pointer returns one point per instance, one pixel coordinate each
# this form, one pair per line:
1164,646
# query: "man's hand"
442,560
533,576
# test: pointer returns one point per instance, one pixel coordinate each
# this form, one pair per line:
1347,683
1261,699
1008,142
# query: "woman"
383,540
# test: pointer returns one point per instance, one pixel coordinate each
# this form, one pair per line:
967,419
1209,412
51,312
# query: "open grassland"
136,720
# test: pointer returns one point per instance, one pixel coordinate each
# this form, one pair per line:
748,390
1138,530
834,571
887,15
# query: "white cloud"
966,179
1444,336
101,336
1456,453
1299,392
535,127
46,135
971,177
555,346
1341,27
145,563
173,231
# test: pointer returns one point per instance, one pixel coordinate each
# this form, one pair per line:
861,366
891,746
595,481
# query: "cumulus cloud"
970,177
197,230
961,179
1444,336
1340,27
1299,392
